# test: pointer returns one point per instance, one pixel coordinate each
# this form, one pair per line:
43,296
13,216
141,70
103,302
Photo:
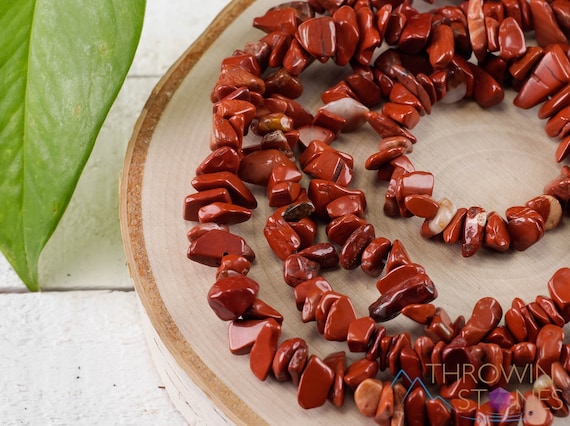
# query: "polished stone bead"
339,229
283,83
497,235
369,38
516,324
476,25
233,263
297,269
521,68
415,407
511,39
315,383
354,245
410,364
321,192
399,94
210,247
347,34
419,289
549,347
264,348
374,256
379,159
399,343
442,46
350,109
365,89
398,275
546,29
221,159
550,74
398,256
416,33
454,229
224,134
420,313
563,150
347,204
421,205
296,59
359,371
538,313
551,310
559,290
245,60
473,230
386,127
556,124
367,396
323,253
492,29
279,19
385,409
301,290
360,332
242,334
441,220
526,227
318,37
561,379
237,76
486,91
311,132
338,319
222,212
438,412
282,239
193,202
406,115
230,297
336,362
202,228
283,356
239,192
261,310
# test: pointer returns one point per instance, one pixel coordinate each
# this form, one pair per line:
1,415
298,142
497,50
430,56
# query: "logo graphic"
499,399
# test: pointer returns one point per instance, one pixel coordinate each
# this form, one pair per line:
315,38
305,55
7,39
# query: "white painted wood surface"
76,353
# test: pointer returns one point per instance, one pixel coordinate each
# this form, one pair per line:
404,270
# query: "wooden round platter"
493,158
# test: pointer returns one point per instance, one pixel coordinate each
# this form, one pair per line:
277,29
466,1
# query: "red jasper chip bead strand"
425,62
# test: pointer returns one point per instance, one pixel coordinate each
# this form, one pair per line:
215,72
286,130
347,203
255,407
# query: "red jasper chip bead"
526,227
336,362
297,269
210,247
242,334
230,297
419,289
485,317
193,202
315,383
559,291
351,252
264,348
360,332
374,256
283,357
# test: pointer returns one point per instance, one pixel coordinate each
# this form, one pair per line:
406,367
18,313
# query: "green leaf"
62,64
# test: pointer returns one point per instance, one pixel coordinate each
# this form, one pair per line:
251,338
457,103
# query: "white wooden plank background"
76,353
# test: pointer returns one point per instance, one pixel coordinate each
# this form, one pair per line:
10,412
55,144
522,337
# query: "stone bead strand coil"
402,62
